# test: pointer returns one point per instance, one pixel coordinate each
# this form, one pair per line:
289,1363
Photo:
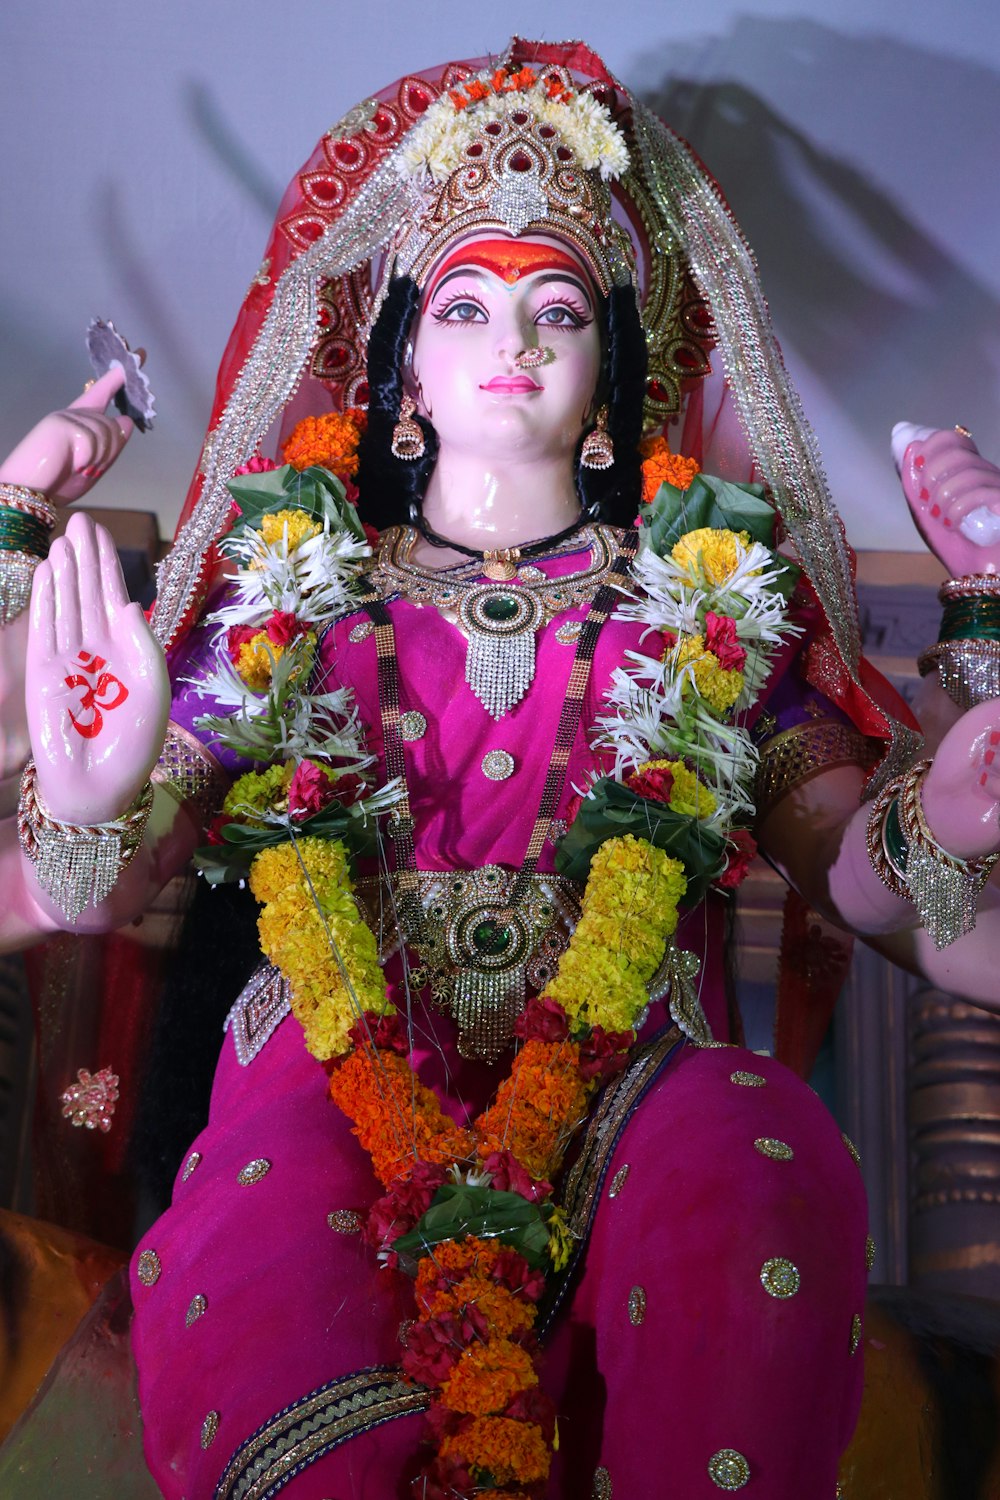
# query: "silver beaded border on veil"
767,404
269,377
722,265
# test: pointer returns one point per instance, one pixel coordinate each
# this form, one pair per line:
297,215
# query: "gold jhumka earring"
598,451
407,435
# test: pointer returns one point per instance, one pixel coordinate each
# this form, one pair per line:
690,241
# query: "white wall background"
145,145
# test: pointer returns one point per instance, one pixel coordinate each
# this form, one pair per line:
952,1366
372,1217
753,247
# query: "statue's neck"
501,504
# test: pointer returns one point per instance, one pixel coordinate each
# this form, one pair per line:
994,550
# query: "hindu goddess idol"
509,610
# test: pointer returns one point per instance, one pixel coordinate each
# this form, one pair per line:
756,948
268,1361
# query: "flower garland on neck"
470,1211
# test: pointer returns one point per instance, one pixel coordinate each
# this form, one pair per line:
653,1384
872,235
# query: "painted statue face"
487,302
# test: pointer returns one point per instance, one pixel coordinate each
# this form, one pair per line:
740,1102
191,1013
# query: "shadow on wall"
881,311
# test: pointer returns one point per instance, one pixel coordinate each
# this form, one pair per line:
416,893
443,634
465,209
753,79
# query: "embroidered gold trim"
606,1124
798,754
313,1426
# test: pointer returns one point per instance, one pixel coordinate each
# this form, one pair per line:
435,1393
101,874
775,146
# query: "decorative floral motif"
90,1101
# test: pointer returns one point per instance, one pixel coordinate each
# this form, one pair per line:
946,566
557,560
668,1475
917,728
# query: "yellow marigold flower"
487,1377
710,554
255,661
719,688
303,930
660,466
688,794
264,791
560,1241
633,889
300,527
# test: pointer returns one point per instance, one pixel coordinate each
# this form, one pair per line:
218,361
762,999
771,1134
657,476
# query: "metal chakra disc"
498,765
500,623
412,725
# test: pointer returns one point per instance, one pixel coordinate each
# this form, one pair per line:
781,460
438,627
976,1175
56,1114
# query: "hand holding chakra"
98,692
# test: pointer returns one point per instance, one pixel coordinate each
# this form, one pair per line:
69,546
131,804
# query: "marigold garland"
472,1342
502,1447
309,917
396,1118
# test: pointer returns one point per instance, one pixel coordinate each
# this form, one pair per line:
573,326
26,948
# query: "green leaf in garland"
613,810
317,491
707,501
458,1210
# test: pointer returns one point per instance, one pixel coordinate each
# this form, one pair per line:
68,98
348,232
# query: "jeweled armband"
189,773
796,755
78,864
966,656
910,862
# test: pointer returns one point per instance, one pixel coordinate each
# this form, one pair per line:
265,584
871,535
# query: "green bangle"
894,840
20,532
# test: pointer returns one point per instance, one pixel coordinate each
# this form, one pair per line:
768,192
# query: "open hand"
97,687
67,452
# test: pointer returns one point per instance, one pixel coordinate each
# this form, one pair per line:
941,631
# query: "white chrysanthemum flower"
313,581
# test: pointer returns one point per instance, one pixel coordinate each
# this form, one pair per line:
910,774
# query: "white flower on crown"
437,144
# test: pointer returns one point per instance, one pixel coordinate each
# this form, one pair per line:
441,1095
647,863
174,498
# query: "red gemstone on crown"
657,391
476,149
347,153
520,162
563,153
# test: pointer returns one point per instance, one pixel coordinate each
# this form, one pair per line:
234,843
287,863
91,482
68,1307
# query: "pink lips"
511,385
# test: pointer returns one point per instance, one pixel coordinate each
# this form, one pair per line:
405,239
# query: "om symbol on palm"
103,691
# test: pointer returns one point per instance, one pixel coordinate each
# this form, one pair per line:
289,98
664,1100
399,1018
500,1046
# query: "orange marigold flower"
660,466
506,1312
537,1106
524,79
394,1115
477,90
502,1447
487,1378
458,99
454,1259
330,441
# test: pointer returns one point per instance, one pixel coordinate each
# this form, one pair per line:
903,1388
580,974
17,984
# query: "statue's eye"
461,309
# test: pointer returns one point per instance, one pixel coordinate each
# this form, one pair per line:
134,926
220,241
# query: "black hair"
391,486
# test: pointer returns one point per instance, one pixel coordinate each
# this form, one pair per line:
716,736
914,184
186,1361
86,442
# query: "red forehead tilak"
508,259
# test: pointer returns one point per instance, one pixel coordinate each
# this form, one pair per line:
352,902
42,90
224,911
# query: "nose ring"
532,359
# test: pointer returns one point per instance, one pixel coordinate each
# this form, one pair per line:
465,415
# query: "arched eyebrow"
577,281
458,271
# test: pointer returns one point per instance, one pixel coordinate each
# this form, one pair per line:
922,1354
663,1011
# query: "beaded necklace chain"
489,929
